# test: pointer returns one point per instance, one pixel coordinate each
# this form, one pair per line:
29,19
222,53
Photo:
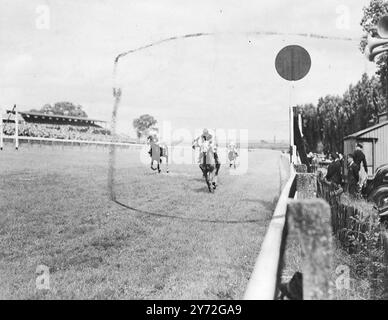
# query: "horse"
203,145
157,152
208,165
232,155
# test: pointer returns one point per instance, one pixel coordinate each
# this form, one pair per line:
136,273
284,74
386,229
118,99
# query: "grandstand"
51,126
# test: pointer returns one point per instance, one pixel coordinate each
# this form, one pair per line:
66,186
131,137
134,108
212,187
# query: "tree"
371,15
311,132
69,109
144,124
329,119
338,116
63,109
362,104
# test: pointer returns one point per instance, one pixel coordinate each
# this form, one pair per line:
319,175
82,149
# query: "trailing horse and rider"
157,152
232,154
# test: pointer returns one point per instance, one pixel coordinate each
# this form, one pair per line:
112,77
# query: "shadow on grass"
203,189
161,215
268,205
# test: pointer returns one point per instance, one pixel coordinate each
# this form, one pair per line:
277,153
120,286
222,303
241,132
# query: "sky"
63,50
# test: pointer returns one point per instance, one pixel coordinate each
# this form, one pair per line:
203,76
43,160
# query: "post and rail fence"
306,212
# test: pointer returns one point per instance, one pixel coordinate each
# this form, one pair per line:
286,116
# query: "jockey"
206,136
153,141
233,148
232,154
157,150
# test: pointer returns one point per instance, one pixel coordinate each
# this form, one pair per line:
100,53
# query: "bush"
356,225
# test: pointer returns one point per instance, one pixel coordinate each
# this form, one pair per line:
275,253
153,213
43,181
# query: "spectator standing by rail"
342,160
359,157
334,174
353,176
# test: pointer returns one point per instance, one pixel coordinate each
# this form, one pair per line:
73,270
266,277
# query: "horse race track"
181,242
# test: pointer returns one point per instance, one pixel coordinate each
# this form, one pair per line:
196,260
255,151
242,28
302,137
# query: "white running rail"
264,278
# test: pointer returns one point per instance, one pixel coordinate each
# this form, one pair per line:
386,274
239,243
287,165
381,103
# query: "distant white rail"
107,143
263,281
5,137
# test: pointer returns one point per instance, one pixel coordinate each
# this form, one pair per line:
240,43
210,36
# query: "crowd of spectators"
357,171
66,132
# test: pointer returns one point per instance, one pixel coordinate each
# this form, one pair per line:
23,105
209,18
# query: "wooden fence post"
310,220
306,185
300,168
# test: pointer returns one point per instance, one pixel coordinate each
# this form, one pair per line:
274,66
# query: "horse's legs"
217,169
152,163
213,179
208,180
206,175
202,169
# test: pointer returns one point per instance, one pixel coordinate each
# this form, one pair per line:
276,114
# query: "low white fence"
262,284
68,141
302,219
16,141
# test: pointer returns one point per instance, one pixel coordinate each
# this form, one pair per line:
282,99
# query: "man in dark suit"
359,157
353,176
334,173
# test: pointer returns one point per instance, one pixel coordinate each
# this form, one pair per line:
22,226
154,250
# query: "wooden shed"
375,143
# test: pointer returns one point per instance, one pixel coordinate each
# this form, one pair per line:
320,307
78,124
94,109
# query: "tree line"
327,123
63,109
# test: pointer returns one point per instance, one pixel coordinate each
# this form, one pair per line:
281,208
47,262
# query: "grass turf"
54,210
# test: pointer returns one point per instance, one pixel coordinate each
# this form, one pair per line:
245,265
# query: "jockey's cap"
206,135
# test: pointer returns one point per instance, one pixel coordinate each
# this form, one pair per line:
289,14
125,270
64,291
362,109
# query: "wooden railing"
307,219
311,223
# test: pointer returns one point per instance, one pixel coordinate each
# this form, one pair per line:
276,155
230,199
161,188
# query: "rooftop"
28,114
362,132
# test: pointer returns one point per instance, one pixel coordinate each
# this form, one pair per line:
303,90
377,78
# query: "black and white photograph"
194,155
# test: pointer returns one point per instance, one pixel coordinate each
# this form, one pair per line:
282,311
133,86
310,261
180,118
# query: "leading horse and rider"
208,158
